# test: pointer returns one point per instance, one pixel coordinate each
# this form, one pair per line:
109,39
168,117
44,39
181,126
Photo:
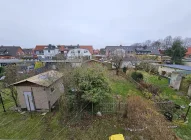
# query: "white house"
50,51
78,53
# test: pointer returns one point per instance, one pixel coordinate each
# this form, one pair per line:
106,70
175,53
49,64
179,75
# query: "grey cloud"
98,23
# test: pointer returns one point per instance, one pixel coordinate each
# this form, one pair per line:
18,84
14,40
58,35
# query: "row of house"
49,51
46,51
139,50
152,50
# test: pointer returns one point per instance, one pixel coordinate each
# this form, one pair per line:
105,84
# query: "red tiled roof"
90,48
96,51
188,50
61,47
40,47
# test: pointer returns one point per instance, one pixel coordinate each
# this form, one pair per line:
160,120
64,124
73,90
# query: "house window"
78,51
37,52
52,89
48,51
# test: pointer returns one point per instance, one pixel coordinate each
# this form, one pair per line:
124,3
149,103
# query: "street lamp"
187,111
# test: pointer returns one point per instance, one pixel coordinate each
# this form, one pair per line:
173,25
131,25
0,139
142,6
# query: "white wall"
187,63
51,53
167,70
78,53
175,80
127,64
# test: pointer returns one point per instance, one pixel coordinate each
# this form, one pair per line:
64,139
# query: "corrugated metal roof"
10,60
126,48
182,67
43,79
183,72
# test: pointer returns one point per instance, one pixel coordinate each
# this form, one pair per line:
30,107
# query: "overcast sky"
92,22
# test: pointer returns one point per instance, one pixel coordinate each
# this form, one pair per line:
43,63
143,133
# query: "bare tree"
10,78
156,43
136,44
147,43
117,58
187,42
177,38
59,57
168,41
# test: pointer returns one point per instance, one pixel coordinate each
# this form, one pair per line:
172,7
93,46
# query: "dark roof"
154,50
151,49
27,50
9,50
50,47
126,48
181,67
71,46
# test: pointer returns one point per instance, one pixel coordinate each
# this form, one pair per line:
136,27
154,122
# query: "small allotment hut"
41,91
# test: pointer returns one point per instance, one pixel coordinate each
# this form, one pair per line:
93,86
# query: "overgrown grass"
184,131
14,125
122,86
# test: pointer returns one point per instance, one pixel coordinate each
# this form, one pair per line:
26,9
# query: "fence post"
49,106
92,110
2,102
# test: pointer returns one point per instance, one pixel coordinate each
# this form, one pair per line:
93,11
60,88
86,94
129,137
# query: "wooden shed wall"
40,96
58,91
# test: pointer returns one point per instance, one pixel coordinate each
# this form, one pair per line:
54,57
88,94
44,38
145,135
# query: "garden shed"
41,91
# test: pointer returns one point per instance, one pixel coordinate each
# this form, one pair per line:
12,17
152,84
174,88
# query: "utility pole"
1,99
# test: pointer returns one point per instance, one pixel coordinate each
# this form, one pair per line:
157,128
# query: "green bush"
124,69
147,94
137,76
2,69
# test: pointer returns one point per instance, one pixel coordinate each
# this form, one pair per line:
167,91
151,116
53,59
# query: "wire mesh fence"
112,107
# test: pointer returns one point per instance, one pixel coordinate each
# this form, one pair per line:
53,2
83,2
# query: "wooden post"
33,98
49,106
2,102
92,110
29,106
